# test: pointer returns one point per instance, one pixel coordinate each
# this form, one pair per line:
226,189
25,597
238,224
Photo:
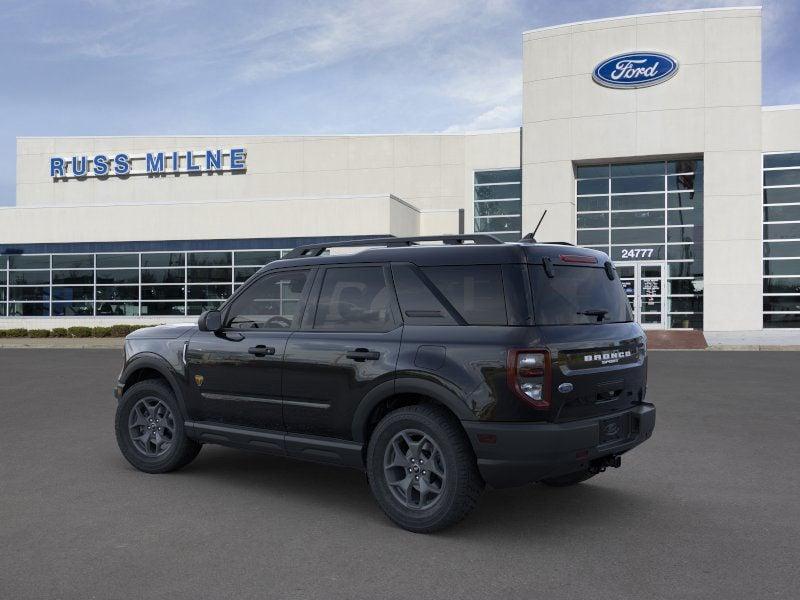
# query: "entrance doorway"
644,285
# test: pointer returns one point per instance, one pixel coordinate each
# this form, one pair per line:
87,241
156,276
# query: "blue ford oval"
635,70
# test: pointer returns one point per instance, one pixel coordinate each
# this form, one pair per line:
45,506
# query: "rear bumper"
527,452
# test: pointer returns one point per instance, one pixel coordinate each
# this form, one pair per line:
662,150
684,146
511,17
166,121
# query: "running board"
305,447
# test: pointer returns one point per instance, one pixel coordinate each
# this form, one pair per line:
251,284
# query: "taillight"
529,376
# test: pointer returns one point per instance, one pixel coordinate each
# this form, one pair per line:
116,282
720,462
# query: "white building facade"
664,158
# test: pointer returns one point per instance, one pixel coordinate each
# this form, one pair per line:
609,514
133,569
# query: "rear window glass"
576,296
475,291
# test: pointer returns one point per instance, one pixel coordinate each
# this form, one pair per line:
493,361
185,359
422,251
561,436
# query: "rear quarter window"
475,291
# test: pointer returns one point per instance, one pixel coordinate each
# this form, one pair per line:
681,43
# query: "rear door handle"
262,350
362,354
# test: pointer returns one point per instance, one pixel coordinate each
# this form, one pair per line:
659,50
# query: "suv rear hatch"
597,353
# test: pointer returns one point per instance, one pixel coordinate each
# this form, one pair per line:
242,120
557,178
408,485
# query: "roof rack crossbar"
312,250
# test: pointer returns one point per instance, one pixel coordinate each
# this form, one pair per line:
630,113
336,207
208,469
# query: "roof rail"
312,250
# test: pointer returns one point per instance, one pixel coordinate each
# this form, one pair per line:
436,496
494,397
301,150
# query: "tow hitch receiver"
601,464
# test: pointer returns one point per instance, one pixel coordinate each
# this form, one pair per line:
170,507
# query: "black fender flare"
150,360
406,385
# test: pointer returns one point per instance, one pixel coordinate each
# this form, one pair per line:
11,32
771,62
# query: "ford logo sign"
635,70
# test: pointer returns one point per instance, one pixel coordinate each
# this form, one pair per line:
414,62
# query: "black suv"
434,368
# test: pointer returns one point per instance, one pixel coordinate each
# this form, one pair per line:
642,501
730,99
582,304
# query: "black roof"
454,251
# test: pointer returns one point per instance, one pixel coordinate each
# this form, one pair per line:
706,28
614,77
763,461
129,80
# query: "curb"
63,343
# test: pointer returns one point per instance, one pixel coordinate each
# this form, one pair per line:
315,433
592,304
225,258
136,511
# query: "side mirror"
210,320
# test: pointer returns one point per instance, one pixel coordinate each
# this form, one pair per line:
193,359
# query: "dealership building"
642,136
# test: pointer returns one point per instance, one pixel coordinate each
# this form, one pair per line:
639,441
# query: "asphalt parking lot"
707,509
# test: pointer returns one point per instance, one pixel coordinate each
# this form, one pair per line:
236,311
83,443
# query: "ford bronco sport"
436,369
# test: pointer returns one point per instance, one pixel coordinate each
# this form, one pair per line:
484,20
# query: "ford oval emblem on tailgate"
565,388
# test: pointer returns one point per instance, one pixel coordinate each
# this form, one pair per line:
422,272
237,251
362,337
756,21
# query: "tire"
569,479
167,448
451,481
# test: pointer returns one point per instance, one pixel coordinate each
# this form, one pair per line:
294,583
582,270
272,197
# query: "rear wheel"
422,470
149,429
569,478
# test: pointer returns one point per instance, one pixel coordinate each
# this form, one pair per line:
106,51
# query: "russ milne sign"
151,163
635,70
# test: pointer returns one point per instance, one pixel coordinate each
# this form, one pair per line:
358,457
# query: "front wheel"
149,428
422,470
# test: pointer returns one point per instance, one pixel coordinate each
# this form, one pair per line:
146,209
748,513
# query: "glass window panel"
73,309
508,237
593,203
84,292
270,302
782,267
209,259
782,285
685,199
498,224
637,236
163,259
499,176
162,308
120,292
593,220
208,275
637,219
29,277
354,299
626,271
680,252
488,209
782,303
163,275
476,292
637,184
593,237
114,261
86,276
491,192
782,195
782,213
685,286
788,177
782,231
637,202
683,182
244,273
27,261
593,186
2,310
209,292
686,321
651,168
680,234
119,309
73,261
592,171
684,166
3,261
682,269
118,276
256,258
162,292
28,309
2,294
29,293
196,308
775,321
683,217
781,249
694,304
782,160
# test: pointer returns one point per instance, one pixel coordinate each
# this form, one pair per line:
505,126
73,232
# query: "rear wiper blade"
594,312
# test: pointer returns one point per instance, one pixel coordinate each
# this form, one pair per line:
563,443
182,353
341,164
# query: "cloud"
497,117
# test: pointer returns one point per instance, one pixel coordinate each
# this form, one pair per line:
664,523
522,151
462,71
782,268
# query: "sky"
161,67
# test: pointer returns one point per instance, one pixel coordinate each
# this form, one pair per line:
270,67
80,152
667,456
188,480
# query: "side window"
354,299
272,302
475,291
418,304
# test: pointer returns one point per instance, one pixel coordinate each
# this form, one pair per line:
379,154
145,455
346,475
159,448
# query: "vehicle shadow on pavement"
511,512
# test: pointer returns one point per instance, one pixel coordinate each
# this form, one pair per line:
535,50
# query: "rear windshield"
577,295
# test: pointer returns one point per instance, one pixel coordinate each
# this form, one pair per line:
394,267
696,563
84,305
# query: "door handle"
261,350
362,354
